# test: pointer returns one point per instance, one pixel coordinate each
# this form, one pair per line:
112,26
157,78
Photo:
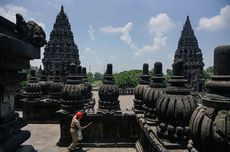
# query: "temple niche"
61,50
189,51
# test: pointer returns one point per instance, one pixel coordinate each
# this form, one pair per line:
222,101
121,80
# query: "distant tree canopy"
169,73
90,77
98,76
127,79
208,73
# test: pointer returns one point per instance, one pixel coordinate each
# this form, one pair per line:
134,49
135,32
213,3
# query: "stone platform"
45,136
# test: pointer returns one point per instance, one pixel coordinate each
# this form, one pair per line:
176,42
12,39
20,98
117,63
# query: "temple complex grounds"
45,136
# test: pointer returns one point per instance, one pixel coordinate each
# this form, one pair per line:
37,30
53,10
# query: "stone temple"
166,116
189,51
61,50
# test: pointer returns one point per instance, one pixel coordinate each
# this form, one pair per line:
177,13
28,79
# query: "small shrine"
140,89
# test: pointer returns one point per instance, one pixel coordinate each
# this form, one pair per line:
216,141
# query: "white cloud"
157,26
91,32
89,50
217,22
9,11
125,37
159,41
160,23
112,58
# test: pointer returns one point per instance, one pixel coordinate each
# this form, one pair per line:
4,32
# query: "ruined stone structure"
140,89
61,49
209,124
16,50
156,89
189,51
108,92
175,107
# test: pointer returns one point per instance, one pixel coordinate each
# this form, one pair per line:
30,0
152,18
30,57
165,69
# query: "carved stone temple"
61,50
189,51
18,46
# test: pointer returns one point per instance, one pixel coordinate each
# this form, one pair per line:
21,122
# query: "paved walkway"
45,136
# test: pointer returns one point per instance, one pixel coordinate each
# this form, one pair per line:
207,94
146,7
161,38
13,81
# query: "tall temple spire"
62,9
61,50
189,51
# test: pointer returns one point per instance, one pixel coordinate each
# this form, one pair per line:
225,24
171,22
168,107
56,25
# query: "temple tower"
61,50
189,51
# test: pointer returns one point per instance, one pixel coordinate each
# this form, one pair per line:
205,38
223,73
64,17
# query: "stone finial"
44,73
62,8
84,71
158,68
221,60
79,70
32,73
72,69
145,69
178,68
109,69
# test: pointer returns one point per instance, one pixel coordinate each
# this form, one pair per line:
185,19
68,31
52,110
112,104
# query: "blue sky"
128,33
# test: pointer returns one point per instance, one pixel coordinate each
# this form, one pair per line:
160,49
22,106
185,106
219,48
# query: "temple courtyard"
45,136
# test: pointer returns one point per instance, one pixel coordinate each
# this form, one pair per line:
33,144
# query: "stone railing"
126,91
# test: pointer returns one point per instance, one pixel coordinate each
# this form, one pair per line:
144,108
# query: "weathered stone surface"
210,123
140,89
189,51
61,50
156,89
175,108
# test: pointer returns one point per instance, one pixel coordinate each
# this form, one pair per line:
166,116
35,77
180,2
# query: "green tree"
98,76
208,73
127,79
169,73
90,77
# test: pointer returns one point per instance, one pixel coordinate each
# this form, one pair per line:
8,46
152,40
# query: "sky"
129,33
